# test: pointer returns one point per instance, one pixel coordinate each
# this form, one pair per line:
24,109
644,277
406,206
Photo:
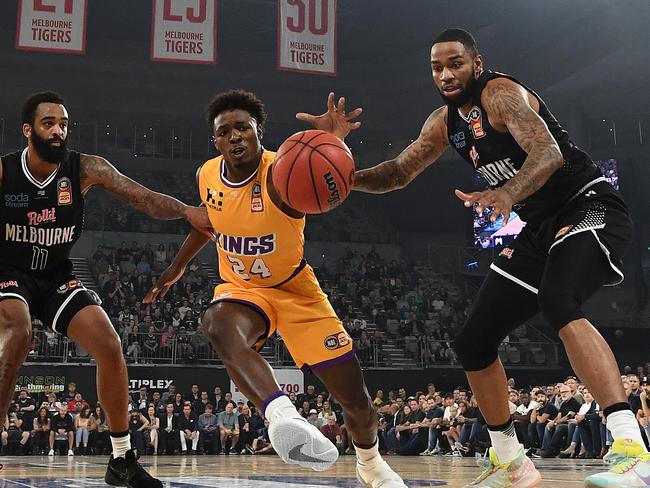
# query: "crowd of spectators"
551,420
379,300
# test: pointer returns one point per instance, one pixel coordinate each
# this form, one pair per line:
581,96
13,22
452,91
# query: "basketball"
313,171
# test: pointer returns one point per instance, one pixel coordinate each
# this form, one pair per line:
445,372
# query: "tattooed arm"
96,171
397,173
508,105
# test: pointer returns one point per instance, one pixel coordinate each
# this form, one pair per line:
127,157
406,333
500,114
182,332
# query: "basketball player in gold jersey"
268,286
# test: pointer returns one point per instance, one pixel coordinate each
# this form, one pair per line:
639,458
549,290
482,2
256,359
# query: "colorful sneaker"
630,467
518,473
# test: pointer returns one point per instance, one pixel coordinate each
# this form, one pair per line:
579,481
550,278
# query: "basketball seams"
315,149
313,180
293,163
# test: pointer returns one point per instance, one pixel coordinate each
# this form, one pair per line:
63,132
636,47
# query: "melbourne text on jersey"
38,235
499,170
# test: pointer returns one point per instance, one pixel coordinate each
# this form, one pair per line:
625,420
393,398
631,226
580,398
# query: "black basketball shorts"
54,301
597,210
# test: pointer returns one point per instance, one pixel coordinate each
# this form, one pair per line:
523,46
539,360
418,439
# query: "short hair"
458,35
208,405
31,104
237,100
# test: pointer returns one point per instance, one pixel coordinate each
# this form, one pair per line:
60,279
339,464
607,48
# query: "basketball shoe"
376,473
298,442
127,472
630,467
518,473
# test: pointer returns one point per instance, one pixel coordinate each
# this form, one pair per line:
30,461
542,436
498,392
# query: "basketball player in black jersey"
577,229
41,217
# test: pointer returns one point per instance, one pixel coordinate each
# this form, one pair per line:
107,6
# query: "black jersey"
498,157
39,221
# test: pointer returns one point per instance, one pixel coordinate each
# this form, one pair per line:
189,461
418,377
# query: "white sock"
505,443
365,455
623,425
121,445
280,408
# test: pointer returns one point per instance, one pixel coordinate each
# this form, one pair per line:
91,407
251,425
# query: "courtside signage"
307,36
184,31
52,25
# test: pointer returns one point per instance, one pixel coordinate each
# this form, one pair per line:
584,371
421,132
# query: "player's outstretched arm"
97,171
507,102
396,173
193,243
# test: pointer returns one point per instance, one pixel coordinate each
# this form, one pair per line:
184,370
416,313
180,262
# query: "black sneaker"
128,472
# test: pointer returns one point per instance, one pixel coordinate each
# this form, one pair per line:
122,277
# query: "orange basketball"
313,171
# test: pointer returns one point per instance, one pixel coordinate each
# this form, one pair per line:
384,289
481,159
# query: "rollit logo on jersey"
19,200
334,197
257,204
473,153
7,284
499,170
40,236
45,215
507,252
476,123
246,245
64,191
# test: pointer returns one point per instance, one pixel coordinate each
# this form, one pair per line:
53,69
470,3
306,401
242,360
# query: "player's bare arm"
97,171
508,106
509,103
397,173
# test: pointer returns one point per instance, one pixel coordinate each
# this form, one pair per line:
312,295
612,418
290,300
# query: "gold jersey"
257,243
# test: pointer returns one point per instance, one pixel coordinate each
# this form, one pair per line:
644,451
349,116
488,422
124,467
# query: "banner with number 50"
307,36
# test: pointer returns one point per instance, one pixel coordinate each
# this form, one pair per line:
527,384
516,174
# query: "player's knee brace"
475,345
559,307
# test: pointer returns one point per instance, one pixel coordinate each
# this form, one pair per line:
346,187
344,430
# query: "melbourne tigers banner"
52,25
307,36
184,31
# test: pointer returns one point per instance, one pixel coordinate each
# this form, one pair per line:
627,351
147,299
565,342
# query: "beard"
46,151
463,97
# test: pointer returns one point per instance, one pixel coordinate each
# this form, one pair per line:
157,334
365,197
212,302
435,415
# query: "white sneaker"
425,453
378,474
298,442
70,452
436,451
51,453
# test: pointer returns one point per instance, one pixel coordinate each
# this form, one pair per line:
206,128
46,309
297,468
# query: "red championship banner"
52,25
307,36
184,31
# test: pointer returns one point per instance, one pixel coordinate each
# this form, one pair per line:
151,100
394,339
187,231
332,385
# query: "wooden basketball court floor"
267,472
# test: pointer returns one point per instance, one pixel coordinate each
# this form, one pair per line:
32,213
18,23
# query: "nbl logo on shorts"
337,341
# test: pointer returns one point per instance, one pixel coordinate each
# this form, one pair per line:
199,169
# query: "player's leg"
576,268
503,303
233,329
15,340
73,310
344,380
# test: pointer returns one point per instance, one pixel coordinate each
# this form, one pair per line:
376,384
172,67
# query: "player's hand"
643,395
500,201
168,277
198,218
336,120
